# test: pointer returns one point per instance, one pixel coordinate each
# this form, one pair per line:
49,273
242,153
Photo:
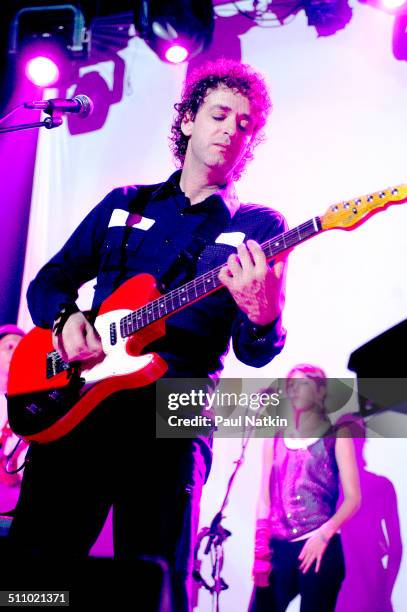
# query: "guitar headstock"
350,214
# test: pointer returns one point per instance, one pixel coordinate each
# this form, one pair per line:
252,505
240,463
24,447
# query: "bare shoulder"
344,445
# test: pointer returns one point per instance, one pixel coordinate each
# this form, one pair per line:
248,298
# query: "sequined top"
304,487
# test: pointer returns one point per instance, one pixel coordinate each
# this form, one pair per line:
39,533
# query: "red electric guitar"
47,397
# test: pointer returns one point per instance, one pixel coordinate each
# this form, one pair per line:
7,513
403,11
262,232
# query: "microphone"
82,105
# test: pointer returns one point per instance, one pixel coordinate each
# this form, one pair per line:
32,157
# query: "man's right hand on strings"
78,341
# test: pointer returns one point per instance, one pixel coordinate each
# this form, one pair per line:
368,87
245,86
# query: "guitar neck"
207,283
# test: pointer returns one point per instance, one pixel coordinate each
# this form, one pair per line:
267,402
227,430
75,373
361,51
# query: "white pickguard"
117,361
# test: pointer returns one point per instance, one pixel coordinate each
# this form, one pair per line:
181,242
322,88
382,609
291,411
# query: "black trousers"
318,591
113,459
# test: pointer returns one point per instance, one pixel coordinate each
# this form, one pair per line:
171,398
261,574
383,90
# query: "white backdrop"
338,130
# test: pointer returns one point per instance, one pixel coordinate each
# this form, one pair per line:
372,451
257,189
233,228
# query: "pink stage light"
42,71
393,4
176,54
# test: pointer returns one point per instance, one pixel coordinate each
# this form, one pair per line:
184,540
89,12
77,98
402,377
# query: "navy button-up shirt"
155,229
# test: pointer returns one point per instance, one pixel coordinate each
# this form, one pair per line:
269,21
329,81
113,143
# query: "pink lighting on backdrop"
176,54
42,71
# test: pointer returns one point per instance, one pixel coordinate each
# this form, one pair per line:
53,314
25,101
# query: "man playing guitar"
175,231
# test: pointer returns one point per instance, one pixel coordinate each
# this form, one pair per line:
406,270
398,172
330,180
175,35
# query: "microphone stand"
53,121
216,535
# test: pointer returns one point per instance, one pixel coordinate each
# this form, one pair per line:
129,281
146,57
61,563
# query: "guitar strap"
184,266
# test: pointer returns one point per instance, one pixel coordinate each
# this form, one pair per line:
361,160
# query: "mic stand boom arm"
55,120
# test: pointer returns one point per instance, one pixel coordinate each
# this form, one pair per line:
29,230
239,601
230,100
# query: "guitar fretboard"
199,287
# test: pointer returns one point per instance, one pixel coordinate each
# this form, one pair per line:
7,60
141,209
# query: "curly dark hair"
227,73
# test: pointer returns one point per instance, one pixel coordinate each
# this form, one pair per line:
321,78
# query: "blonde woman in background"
297,547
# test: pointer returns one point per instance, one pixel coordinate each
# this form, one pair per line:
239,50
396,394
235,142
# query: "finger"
76,349
318,564
59,347
306,562
70,347
311,562
245,257
257,254
93,340
225,276
304,551
74,341
278,269
234,266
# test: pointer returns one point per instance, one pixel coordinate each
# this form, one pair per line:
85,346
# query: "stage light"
56,34
393,4
327,16
398,8
394,7
168,26
42,71
176,54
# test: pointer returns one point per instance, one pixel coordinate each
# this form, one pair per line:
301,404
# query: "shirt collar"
171,187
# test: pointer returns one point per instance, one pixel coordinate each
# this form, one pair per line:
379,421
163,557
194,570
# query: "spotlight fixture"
176,54
175,30
46,39
42,71
328,16
398,8
394,7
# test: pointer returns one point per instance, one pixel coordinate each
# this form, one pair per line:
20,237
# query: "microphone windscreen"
86,105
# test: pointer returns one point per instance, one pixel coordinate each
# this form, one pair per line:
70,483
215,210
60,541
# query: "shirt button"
167,241
295,530
289,515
